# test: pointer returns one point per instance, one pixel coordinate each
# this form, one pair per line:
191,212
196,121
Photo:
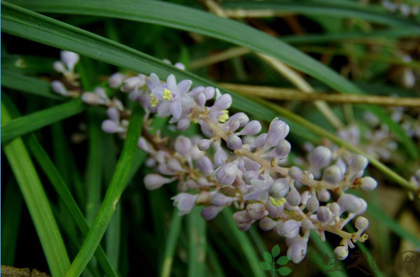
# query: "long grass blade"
37,202
113,193
171,243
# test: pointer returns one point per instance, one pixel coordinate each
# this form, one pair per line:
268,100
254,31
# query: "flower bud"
256,211
266,224
307,224
59,67
352,204
368,184
58,87
204,144
362,223
206,130
110,127
234,125
341,252
320,157
203,198
242,220
277,131
252,128
175,165
323,214
234,142
295,173
294,198
324,195
220,157
297,251
200,99
113,114
210,212
90,98
280,188
226,174
259,141
332,174
183,124
248,176
204,164
283,148
70,59
242,117
223,103
289,229
184,202
335,208
116,80
144,145
183,146
358,163
209,92
219,199
155,181
312,205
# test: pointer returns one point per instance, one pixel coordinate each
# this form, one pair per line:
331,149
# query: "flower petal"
176,109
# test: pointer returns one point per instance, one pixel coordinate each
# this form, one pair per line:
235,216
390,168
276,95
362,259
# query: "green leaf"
267,257
330,8
284,271
112,196
265,265
275,251
37,202
60,187
171,243
283,260
10,221
29,123
197,243
17,81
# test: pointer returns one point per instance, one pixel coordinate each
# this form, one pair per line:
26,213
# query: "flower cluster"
236,164
402,8
68,85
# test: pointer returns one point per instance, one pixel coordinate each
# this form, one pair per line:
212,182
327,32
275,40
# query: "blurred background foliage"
366,42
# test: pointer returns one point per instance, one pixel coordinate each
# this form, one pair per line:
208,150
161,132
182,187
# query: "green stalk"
113,194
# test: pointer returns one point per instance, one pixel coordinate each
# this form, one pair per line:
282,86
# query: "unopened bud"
204,164
295,173
289,229
223,103
362,223
252,128
280,188
116,80
294,198
155,181
183,146
352,204
234,142
323,214
332,174
297,251
204,144
341,252
324,195
283,148
277,131
368,183
320,157
312,205
256,211
266,224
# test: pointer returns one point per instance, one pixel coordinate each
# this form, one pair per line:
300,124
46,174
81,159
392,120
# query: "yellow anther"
153,100
167,94
277,202
224,116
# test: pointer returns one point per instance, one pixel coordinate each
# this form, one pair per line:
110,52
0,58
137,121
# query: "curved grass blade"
18,81
113,193
10,221
54,33
28,123
46,164
37,202
327,9
197,243
171,243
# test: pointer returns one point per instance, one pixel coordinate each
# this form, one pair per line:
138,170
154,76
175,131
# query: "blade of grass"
170,246
29,123
67,37
60,187
244,243
10,221
20,82
37,202
197,243
113,193
326,9
214,262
